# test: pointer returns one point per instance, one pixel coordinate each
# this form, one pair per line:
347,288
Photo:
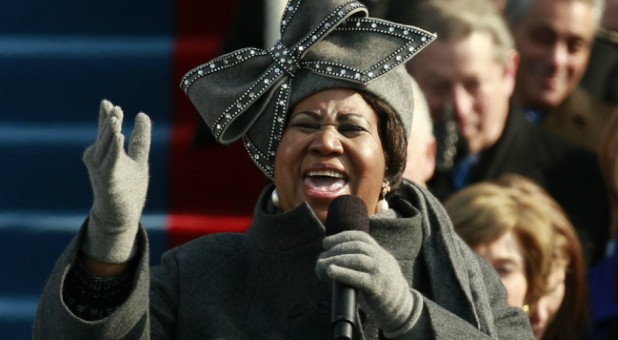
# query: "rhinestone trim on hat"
263,83
218,64
324,27
286,62
394,59
265,161
285,59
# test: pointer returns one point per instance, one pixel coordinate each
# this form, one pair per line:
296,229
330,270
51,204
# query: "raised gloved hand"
119,183
356,259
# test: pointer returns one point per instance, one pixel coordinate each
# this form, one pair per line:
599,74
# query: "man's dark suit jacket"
570,173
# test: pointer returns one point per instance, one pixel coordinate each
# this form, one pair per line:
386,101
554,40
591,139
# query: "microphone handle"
343,311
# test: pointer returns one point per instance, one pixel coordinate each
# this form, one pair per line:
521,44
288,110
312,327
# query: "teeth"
327,173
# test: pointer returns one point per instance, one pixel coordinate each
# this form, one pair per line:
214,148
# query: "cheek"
528,51
283,157
287,163
368,165
436,105
516,287
494,120
578,63
554,301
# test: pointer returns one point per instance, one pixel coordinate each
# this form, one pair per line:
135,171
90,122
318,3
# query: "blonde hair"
483,212
572,317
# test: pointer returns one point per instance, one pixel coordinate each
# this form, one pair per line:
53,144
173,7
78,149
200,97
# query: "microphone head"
347,212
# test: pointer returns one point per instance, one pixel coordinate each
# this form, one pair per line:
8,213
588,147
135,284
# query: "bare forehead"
569,16
567,20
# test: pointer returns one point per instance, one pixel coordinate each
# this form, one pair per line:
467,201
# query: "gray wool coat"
261,284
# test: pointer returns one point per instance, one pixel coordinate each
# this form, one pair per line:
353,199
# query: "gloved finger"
358,279
373,282
89,155
103,144
357,248
356,262
347,236
139,145
116,149
361,263
105,108
119,114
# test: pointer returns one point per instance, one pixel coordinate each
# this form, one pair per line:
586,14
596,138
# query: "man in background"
470,70
554,39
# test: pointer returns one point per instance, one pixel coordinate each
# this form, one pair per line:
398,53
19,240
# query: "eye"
306,126
349,129
304,123
576,45
472,86
504,270
439,88
543,36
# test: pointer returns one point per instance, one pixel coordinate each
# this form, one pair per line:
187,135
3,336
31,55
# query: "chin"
551,100
321,214
320,210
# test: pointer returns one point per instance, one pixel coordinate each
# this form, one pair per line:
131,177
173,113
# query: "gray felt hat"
324,44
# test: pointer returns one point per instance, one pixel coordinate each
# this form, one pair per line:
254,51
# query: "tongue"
325,184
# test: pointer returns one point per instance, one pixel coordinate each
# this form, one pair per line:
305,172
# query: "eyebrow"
513,260
340,117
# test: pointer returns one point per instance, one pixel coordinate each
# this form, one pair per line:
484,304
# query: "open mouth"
326,181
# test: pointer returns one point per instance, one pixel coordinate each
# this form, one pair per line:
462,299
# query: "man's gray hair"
515,10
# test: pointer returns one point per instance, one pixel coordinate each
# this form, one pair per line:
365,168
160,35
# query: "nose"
327,141
462,104
559,55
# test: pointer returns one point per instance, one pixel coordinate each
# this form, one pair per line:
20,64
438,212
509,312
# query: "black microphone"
346,212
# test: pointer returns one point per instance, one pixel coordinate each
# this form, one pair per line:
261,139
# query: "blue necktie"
461,172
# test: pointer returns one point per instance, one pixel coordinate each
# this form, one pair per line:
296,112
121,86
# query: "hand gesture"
119,183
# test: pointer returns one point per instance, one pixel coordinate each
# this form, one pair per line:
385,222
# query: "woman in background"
562,312
508,231
513,215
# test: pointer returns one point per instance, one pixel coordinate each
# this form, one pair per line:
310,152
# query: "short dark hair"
393,139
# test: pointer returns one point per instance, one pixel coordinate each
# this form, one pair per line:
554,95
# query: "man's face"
466,74
554,41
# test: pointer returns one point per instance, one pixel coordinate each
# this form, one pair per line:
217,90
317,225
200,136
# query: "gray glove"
356,259
119,183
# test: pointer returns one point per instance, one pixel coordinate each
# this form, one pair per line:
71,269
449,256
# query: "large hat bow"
246,93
